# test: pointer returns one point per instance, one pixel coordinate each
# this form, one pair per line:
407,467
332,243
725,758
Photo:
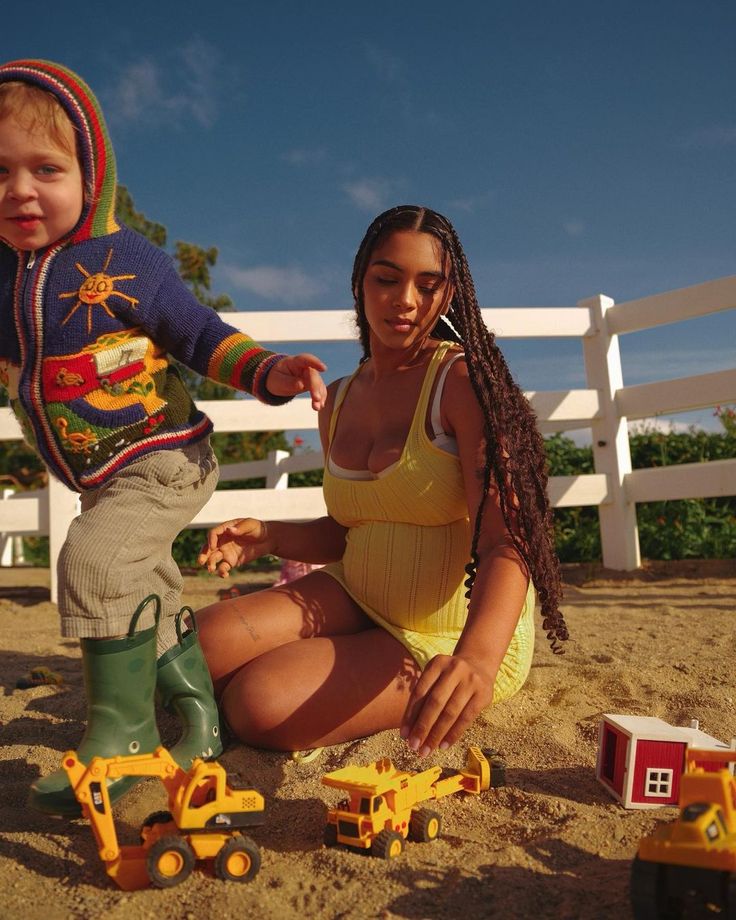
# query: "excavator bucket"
129,870
477,764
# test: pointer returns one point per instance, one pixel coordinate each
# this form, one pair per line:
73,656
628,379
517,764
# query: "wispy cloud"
400,93
469,204
304,156
370,194
574,227
387,66
709,138
174,87
288,284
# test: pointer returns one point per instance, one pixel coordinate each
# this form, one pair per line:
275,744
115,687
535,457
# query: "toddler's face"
41,187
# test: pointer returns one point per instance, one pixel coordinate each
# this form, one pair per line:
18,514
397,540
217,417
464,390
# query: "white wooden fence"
605,406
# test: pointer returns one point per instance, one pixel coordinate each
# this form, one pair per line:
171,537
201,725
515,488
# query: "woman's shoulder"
458,395
454,362
334,388
325,413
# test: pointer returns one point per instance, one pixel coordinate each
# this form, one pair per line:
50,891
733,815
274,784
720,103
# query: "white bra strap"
436,417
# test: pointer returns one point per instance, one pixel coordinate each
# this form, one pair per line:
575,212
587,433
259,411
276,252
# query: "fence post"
611,453
275,477
63,507
11,547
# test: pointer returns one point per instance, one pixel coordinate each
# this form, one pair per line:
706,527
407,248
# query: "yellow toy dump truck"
690,864
381,810
206,812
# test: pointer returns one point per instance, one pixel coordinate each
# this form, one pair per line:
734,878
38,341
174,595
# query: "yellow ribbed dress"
408,544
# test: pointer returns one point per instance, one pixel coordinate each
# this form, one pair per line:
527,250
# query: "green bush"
686,529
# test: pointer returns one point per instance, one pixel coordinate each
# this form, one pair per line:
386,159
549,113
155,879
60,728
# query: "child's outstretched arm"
196,335
296,374
454,689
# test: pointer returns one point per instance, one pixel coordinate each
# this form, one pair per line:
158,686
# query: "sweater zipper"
30,262
62,472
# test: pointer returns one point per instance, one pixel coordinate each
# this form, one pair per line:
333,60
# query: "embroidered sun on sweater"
89,325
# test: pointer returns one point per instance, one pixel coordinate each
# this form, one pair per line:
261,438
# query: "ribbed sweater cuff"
260,391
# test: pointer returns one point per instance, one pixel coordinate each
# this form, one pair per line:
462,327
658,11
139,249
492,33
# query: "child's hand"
445,701
234,543
297,374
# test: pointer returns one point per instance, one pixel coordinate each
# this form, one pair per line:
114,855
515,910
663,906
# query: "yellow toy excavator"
206,812
690,863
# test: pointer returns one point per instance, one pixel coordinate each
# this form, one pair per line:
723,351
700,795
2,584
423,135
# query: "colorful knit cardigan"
89,325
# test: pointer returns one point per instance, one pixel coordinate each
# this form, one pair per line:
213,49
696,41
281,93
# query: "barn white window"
658,782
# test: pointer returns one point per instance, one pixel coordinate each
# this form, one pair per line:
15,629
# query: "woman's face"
405,288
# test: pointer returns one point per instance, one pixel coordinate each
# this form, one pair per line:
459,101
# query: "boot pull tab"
139,610
177,623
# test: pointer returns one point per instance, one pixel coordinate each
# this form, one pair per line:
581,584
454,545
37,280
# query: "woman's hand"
296,374
234,543
448,696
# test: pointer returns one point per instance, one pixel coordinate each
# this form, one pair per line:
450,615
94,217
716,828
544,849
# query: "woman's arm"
236,542
453,689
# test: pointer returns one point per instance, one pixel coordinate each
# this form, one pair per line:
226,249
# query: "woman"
432,457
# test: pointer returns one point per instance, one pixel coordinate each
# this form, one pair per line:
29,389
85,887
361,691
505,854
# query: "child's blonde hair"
38,112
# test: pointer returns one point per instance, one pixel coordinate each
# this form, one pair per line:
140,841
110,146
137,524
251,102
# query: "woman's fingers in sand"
445,701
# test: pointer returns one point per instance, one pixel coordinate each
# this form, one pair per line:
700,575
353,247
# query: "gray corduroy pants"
118,550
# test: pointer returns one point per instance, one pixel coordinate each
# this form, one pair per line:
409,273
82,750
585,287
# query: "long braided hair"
514,450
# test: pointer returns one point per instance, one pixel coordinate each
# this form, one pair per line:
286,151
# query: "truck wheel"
387,845
158,817
239,860
646,889
329,836
170,860
425,825
729,908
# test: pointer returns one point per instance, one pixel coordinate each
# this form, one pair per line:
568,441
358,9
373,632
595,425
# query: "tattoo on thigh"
249,628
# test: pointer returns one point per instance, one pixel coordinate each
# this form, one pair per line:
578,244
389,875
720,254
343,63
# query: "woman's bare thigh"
234,632
319,691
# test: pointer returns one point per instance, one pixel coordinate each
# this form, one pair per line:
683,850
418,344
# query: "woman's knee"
216,641
257,706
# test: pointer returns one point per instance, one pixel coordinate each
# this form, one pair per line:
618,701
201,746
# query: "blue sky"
578,147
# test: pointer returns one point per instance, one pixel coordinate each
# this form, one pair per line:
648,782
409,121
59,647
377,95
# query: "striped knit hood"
93,142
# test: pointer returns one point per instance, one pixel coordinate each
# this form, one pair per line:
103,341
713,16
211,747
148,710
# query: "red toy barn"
641,758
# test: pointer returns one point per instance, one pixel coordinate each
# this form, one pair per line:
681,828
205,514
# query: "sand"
551,843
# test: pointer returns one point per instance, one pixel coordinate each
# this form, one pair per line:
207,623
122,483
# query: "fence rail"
605,406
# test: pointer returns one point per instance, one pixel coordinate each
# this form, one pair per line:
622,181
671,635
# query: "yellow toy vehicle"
381,809
206,812
690,864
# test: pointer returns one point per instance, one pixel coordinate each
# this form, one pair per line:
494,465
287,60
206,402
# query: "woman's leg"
236,631
319,691
301,666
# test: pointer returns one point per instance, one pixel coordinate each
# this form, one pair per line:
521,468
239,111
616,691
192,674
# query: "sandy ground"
551,843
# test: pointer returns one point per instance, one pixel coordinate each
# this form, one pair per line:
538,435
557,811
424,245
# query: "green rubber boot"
184,687
120,682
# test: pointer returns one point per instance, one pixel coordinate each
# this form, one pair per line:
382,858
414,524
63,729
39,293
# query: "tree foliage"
126,213
685,529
